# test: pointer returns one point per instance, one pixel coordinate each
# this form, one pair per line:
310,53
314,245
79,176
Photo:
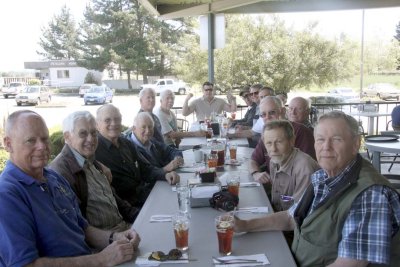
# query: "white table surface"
376,148
203,242
371,119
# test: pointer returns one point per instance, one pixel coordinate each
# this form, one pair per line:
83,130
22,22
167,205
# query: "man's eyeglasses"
269,113
208,89
254,93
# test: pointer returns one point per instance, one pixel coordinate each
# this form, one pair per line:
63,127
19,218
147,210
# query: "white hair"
166,93
146,90
70,120
142,116
276,100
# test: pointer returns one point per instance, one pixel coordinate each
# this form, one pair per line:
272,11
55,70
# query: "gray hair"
166,93
336,114
276,100
280,124
258,86
69,122
146,90
142,116
13,117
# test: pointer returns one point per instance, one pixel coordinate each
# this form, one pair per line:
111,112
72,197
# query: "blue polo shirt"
38,219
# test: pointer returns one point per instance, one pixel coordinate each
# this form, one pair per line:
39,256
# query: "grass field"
355,82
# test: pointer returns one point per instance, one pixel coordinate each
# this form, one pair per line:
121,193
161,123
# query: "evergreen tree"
59,38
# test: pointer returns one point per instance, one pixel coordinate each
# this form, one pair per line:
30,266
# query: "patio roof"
170,9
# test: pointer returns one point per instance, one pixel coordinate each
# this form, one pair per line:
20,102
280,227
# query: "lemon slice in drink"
224,224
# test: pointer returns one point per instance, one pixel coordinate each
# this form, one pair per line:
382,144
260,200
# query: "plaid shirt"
373,219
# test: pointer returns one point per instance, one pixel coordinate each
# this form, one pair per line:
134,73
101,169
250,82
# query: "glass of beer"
232,151
224,225
233,183
180,223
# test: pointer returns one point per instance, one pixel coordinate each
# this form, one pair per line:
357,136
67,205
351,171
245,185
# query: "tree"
58,39
397,37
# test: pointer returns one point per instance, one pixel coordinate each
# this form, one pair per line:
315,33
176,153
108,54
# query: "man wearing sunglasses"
271,109
247,120
207,104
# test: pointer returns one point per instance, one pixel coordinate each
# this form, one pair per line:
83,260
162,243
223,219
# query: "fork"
236,260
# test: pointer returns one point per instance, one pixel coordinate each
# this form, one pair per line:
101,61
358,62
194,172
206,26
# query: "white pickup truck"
164,84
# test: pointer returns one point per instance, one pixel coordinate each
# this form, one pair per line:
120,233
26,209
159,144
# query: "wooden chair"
182,125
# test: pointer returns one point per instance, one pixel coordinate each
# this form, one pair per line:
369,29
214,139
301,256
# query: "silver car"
382,90
33,95
13,89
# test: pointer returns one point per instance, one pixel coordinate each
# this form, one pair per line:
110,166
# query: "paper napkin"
253,210
249,184
260,258
161,218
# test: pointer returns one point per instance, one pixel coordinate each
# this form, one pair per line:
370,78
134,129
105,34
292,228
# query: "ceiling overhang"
171,9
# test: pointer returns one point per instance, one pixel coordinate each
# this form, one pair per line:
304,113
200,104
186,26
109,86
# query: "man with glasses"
207,104
299,111
271,109
247,120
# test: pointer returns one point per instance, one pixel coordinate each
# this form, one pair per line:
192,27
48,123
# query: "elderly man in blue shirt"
40,220
349,215
158,153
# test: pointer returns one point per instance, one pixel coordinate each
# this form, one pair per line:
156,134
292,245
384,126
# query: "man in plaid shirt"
349,215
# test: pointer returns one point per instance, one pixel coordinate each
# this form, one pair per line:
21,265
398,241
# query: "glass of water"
183,192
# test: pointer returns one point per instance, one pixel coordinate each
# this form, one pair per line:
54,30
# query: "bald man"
299,111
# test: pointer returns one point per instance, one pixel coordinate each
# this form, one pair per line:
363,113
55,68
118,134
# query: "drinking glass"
224,226
232,151
180,224
212,160
233,183
183,192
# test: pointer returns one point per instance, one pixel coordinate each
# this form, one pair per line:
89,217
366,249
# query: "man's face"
83,138
298,111
148,101
278,145
247,99
335,146
167,102
263,93
254,95
109,123
144,130
269,111
208,91
28,143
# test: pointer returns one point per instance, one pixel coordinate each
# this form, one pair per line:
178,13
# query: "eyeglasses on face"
208,89
269,113
254,93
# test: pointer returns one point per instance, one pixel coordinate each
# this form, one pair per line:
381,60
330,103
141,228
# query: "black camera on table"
223,200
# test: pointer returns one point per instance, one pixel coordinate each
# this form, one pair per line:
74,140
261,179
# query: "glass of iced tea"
224,225
212,160
209,133
232,151
180,223
233,183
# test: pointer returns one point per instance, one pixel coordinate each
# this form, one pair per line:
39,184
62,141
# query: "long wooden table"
203,242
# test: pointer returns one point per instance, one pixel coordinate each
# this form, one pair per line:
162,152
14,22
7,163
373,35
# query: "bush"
3,159
56,143
91,78
34,82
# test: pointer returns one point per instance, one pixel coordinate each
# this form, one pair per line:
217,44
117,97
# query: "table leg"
376,160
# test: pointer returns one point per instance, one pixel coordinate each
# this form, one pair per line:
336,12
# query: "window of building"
62,74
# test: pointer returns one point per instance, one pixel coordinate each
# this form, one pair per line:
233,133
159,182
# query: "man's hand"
129,235
174,164
172,177
189,96
117,252
262,177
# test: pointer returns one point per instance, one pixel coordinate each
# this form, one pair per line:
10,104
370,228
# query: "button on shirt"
377,205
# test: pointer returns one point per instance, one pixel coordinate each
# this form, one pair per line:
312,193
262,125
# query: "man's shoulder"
303,160
298,127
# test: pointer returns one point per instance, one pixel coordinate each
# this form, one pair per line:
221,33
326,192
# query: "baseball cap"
244,91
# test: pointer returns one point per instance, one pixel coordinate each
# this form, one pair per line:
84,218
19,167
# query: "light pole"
362,55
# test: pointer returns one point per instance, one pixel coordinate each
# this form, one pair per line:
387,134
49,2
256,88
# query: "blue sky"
21,22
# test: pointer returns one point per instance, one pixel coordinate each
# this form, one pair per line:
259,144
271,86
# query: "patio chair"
182,125
389,157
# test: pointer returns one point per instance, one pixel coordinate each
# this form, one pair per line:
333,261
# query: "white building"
60,73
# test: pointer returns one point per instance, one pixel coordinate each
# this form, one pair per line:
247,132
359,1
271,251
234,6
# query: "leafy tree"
58,39
397,37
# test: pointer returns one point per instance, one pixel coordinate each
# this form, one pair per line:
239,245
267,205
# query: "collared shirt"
203,108
373,215
157,127
38,219
168,124
291,179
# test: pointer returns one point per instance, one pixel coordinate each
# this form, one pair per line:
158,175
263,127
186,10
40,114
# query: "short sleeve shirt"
168,124
38,219
203,108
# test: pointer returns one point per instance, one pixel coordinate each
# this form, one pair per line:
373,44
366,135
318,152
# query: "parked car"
98,95
84,88
33,95
164,84
13,89
345,94
382,90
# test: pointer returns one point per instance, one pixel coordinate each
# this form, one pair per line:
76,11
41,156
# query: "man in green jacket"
349,215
